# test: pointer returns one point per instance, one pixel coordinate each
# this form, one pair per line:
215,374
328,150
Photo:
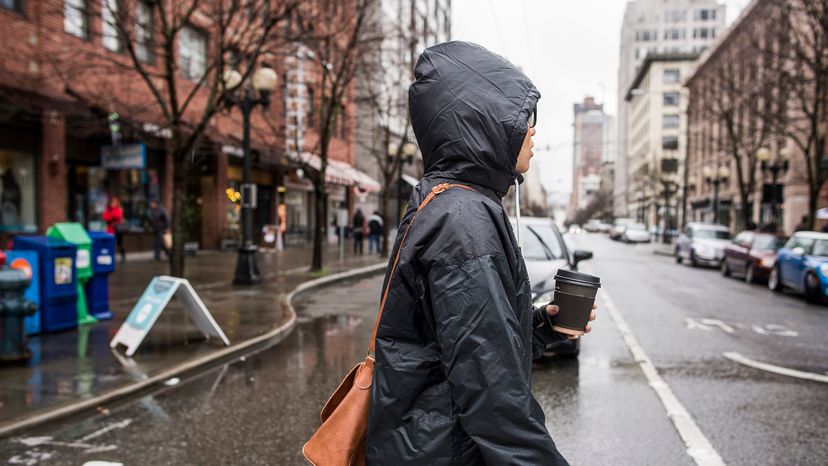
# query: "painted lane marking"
718,323
698,447
736,357
99,432
693,324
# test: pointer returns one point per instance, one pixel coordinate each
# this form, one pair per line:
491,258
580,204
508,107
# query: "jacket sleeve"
542,333
482,355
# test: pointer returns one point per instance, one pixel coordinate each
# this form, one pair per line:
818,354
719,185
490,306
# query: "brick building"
65,72
735,85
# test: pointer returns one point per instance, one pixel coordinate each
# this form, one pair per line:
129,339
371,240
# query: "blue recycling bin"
103,264
58,281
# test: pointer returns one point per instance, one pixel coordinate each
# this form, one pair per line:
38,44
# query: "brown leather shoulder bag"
340,440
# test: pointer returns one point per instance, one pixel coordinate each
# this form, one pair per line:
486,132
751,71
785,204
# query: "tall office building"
590,150
656,26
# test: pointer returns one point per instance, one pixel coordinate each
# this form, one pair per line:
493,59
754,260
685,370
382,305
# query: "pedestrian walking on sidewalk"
375,224
803,224
358,229
114,218
455,343
159,222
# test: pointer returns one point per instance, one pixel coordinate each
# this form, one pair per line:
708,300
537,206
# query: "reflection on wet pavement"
261,408
76,365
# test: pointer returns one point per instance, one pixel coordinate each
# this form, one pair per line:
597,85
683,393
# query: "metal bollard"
13,310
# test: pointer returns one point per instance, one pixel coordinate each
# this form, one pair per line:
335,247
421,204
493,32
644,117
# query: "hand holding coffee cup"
574,299
552,309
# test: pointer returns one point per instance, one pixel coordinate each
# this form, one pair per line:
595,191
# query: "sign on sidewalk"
152,303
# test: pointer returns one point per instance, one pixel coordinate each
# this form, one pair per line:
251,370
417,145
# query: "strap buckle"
440,188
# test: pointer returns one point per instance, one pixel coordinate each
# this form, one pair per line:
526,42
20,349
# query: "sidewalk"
661,249
78,365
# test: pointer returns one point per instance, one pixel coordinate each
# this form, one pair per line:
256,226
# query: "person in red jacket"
114,218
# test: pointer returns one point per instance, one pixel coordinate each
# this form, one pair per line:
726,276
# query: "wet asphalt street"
600,409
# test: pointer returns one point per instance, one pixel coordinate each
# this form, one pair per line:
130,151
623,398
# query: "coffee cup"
574,295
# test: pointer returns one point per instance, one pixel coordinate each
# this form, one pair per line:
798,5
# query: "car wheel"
725,268
693,261
812,289
750,274
775,279
678,256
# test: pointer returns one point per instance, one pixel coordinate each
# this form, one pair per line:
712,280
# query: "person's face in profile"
526,153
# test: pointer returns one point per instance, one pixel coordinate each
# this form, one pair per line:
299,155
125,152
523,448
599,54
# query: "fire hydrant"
13,311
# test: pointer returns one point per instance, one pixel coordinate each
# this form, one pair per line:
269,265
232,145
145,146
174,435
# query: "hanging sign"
124,157
152,303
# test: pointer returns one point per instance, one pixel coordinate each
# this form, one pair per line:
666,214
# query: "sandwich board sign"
152,303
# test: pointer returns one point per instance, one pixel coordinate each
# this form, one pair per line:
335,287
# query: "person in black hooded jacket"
455,343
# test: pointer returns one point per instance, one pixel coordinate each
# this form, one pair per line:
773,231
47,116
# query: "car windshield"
767,242
820,248
540,243
712,234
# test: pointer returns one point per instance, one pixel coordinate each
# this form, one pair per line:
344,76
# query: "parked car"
604,227
802,265
702,244
751,255
545,251
618,227
635,233
592,226
575,229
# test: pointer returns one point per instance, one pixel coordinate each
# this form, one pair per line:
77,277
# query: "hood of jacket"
469,110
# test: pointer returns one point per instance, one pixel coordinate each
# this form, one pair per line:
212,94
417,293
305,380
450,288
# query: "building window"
671,76
17,192
192,53
342,122
646,36
704,33
669,143
675,34
111,35
670,121
76,18
310,107
144,28
671,99
706,14
15,5
675,16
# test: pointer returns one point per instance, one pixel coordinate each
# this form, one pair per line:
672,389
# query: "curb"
277,334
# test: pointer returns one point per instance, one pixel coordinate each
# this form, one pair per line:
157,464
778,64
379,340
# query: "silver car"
702,244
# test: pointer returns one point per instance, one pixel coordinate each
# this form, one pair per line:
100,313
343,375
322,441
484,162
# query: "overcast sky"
569,48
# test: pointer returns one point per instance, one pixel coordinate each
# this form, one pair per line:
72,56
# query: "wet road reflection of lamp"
255,92
716,177
778,167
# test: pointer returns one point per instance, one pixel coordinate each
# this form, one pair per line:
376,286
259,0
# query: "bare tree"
185,92
388,100
802,38
740,104
337,35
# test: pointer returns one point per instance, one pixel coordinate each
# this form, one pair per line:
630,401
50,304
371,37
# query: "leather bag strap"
434,193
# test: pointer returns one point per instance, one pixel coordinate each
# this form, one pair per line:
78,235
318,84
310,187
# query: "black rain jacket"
454,346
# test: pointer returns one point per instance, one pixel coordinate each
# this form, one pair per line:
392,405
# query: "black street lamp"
669,187
777,168
256,92
716,177
407,157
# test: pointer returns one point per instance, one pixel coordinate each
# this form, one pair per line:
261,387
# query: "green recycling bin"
75,233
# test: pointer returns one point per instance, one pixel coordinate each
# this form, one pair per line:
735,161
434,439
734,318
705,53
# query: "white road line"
698,447
736,357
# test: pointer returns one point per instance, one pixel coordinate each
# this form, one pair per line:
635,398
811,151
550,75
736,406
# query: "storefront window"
17,192
134,188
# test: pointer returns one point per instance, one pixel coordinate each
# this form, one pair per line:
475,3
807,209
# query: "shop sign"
232,150
153,302
128,156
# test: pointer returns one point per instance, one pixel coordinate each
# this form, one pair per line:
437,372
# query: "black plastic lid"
578,278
